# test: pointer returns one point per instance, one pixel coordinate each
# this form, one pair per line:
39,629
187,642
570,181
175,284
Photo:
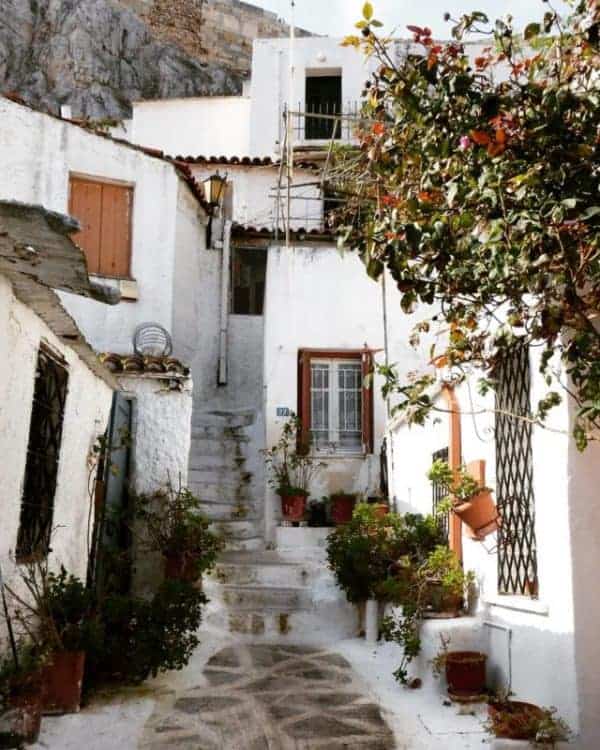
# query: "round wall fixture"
321,57
152,340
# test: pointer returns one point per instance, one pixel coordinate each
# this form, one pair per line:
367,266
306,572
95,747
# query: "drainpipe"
225,279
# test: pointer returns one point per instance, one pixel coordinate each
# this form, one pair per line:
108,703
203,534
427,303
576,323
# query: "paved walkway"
271,697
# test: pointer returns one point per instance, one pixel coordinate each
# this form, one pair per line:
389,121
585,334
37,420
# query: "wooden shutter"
367,403
104,212
85,204
116,230
304,412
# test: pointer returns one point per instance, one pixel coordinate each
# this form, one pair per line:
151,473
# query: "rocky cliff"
97,56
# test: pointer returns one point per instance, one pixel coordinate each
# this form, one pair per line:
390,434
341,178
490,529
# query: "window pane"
350,405
319,394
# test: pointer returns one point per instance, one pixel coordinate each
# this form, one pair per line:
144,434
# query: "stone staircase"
220,473
260,594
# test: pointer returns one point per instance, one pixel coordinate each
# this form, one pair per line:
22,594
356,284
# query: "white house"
534,617
55,396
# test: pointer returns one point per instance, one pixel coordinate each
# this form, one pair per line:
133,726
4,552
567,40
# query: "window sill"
326,456
518,604
127,286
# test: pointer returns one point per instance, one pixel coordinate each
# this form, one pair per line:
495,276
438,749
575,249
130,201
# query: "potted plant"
317,517
21,695
175,526
433,587
466,497
58,614
517,720
341,505
292,468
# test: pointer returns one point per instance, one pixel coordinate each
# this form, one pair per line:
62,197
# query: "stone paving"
271,697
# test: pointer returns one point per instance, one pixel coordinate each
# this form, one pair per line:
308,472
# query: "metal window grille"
439,493
517,553
336,405
43,452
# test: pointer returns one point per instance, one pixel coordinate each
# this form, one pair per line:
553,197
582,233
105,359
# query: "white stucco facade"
538,642
40,152
86,415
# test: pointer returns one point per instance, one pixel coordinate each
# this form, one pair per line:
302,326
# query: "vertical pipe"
455,462
290,154
225,281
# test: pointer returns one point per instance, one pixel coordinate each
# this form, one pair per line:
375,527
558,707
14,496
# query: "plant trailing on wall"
439,584
477,185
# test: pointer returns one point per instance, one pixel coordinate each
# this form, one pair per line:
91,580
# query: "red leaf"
379,128
480,138
416,30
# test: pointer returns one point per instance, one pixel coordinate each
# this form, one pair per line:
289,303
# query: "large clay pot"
465,673
25,701
381,510
63,678
182,567
515,720
293,507
479,513
342,507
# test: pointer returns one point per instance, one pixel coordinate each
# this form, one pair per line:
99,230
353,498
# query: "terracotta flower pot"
381,510
515,720
26,702
63,678
479,513
440,603
465,673
293,507
182,567
341,508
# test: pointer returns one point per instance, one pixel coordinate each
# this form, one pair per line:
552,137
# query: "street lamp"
214,188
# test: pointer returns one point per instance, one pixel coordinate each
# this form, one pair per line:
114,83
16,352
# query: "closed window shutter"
304,399
367,403
104,212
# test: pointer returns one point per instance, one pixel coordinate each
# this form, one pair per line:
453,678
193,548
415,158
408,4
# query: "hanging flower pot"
479,513
293,506
63,678
465,674
342,507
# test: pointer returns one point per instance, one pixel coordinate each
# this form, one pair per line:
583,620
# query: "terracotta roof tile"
134,364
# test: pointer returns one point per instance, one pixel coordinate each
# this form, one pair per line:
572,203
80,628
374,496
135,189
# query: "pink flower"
465,143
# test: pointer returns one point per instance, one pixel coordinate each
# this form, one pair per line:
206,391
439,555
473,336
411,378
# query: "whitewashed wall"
317,298
38,152
542,649
215,125
86,416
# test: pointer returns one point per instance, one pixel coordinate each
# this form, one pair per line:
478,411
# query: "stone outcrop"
96,56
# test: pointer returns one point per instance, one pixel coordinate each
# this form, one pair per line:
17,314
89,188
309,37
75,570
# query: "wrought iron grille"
43,451
517,554
438,494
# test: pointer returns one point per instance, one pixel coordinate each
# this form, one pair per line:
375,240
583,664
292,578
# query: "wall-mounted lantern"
214,188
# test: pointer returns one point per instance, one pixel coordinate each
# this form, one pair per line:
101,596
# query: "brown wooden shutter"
116,230
304,399
85,204
367,403
104,212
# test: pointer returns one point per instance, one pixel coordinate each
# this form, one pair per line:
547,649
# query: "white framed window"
336,405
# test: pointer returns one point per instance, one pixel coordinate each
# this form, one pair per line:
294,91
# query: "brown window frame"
305,357
93,268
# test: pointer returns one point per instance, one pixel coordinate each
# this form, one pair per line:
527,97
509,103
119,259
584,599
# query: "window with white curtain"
336,405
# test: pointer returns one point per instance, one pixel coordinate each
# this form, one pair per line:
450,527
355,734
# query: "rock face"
96,56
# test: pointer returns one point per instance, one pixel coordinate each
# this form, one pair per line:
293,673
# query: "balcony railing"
324,120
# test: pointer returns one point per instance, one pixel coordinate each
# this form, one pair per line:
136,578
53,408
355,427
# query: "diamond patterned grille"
517,554
439,494
43,451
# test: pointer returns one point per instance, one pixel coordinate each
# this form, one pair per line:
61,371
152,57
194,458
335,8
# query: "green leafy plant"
432,585
363,552
175,525
477,185
459,484
516,720
290,464
145,637
21,673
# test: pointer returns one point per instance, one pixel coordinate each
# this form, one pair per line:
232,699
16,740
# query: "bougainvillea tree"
477,184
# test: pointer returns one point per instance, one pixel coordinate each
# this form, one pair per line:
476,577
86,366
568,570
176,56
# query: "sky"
337,17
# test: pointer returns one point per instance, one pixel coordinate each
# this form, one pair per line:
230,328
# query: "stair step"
225,435
218,512
239,529
262,574
231,485
228,420
199,461
265,598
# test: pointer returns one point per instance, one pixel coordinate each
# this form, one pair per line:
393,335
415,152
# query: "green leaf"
368,11
589,213
532,30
